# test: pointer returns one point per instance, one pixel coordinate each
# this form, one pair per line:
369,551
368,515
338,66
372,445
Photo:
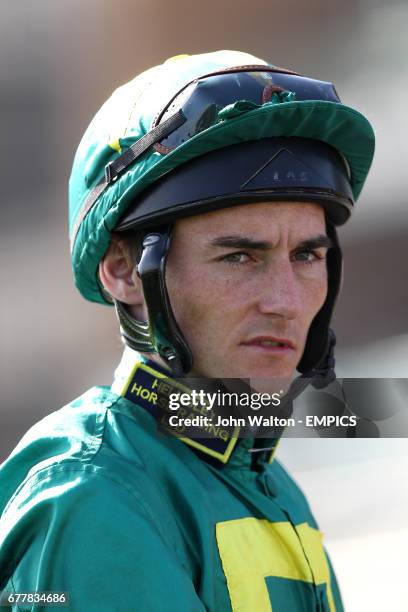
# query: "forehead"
265,219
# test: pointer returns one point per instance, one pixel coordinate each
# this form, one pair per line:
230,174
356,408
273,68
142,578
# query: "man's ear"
118,274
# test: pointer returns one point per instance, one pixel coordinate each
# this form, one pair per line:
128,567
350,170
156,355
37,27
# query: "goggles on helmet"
309,170
202,100
211,99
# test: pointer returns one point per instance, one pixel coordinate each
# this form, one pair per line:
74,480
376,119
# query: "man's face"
245,284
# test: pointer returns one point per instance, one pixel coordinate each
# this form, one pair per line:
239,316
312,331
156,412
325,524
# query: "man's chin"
278,384
268,371
272,371
267,378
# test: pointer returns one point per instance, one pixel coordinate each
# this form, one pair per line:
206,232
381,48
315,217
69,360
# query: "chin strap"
320,377
161,333
135,334
324,374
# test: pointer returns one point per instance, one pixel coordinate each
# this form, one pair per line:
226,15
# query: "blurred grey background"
59,61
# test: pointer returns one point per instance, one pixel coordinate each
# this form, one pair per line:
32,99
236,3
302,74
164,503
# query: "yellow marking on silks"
174,58
223,457
252,550
313,546
115,145
139,366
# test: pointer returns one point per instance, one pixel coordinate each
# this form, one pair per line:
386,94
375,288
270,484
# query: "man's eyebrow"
235,241
316,242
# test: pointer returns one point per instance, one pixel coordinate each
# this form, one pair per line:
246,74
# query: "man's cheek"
192,316
314,298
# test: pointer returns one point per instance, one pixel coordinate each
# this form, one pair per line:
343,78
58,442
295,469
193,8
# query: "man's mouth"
270,343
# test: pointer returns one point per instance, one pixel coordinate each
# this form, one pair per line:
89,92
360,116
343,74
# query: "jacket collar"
147,384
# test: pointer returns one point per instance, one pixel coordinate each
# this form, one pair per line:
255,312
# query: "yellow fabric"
174,58
253,549
115,145
312,544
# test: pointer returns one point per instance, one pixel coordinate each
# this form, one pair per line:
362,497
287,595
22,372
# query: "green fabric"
243,106
129,114
95,502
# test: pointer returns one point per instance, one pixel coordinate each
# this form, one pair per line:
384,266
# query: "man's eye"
236,258
308,256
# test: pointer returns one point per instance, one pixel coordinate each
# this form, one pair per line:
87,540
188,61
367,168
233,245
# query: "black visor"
271,169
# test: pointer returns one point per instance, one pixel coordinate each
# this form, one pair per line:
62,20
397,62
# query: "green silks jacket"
97,502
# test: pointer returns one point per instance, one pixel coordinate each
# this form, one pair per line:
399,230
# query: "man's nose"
281,292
